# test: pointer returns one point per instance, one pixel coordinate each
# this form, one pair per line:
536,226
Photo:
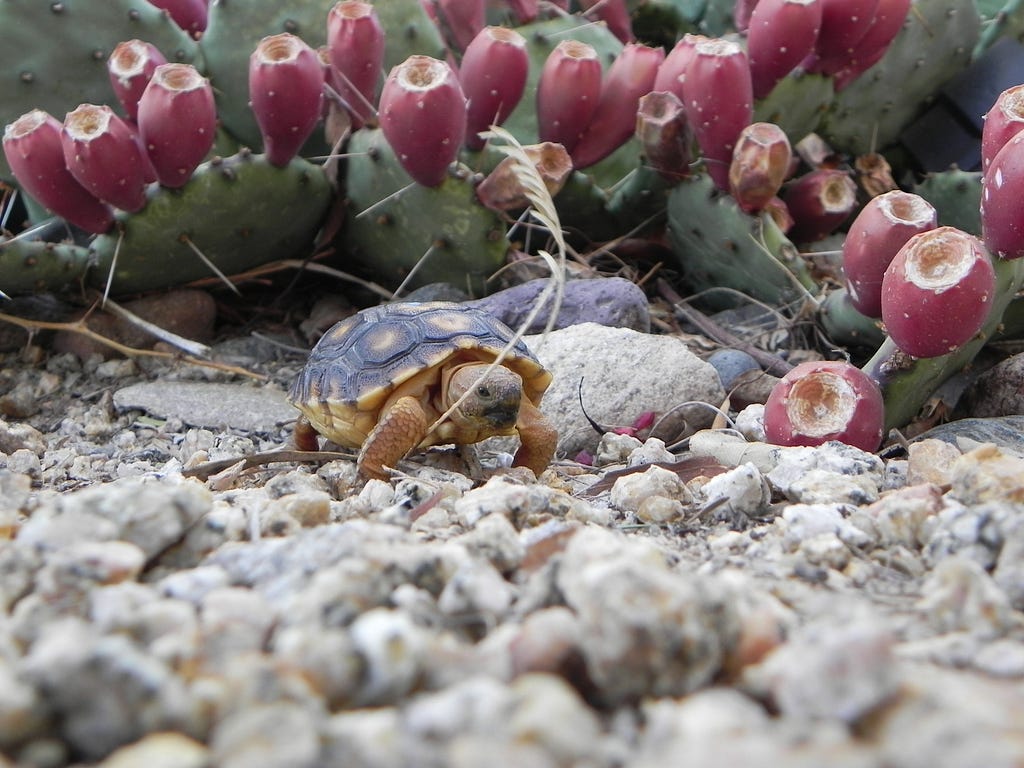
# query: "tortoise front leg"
304,437
398,431
538,436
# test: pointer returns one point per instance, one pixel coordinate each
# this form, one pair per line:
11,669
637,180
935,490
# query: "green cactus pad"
392,222
720,246
53,56
33,266
956,196
934,44
236,26
240,212
999,19
796,104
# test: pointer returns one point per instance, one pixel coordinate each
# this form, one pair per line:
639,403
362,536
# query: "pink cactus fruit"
719,102
741,13
102,152
819,201
423,117
177,122
937,292
630,77
781,35
493,77
32,146
130,67
355,45
843,24
1002,201
524,11
286,92
821,401
190,15
463,19
568,92
673,68
614,14
1002,122
664,134
882,227
760,163
869,50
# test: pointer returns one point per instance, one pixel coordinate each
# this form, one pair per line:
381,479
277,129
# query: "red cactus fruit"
889,18
1002,201
355,46
843,24
741,13
32,146
664,134
937,292
821,401
568,92
782,34
819,201
719,102
1002,122
130,67
630,76
881,228
760,163
177,122
190,15
286,92
673,68
493,77
103,154
423,117
463,19
524,11
614,14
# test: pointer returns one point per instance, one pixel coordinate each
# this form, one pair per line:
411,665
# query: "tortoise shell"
360,362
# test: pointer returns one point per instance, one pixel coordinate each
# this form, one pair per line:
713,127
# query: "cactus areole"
938,292
423,117
821,401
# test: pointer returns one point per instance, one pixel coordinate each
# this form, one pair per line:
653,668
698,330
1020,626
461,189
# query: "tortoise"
379,379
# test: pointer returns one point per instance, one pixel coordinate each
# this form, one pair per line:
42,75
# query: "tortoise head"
492,404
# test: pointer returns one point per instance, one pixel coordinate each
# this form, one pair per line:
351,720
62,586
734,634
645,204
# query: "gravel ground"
746,605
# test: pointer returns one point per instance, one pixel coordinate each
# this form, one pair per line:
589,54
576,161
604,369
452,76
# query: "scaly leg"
538,436
304,436
399,430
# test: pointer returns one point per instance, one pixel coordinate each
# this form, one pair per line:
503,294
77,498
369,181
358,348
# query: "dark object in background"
949,133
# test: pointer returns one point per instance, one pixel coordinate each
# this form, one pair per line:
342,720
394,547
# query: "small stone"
22,710
805,521
930,461
988,474
326,657
630,490
900,517
309,509
521,504
652,451
368,738
233,621
15,437
25,462
495,538
744,489
614,448
1009,569
960,596
750,423
476,592
818,486
214,405
547,641
193,584
393,649
660,510
278,735
160,750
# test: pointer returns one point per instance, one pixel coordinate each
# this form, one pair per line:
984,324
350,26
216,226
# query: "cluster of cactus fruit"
694,142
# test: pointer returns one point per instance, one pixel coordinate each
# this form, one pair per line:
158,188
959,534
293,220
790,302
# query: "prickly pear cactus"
393,223
718,245
956,196
29,266
999,19
796,104
934,45
236,26
239,212
53,56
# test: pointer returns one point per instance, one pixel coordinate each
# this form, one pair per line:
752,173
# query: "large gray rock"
625,373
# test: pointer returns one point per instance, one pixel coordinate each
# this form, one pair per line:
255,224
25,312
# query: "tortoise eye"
483,391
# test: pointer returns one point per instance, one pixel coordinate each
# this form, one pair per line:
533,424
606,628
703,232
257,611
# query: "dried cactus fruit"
876,235
937,292
821,401
760,164
177,122
102,152
664,134
286,89
34,152
423,117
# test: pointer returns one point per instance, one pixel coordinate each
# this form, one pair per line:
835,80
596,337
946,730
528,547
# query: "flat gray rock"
1007,432
210,405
